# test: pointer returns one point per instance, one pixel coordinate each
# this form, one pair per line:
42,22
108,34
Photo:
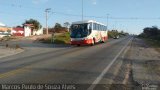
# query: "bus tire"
93,43
103,41
78,45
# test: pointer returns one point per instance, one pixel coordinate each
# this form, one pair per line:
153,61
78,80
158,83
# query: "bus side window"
97,26
94,26
103,28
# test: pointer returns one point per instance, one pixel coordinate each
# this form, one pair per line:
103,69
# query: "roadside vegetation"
34,23
59,34
151,35
58,38
6,38
114,33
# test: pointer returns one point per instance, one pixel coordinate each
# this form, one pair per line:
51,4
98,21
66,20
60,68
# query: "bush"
151,33
58,39
62,39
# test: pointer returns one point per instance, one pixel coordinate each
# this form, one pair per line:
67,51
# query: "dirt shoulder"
145,64
4,52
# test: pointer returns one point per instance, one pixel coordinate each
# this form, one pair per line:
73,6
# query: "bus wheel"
103,41
78,45
93,42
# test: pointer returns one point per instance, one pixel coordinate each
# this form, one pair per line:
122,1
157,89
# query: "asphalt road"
86,65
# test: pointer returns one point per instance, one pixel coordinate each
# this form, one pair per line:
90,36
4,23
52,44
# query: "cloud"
94,2
39,1
1,24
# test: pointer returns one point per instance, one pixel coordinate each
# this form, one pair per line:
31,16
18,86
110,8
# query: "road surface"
86,66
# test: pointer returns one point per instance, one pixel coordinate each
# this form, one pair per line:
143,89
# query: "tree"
36,24
19,26
57,26
113,33
66,24
151,32
59,29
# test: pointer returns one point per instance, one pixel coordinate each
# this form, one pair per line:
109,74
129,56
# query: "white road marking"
107,68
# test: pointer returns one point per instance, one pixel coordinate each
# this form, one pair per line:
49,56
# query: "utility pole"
47,11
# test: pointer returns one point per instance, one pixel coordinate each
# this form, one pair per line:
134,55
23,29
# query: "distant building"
4,31
18,31
26,30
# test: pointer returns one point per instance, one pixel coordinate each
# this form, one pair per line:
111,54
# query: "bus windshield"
80,30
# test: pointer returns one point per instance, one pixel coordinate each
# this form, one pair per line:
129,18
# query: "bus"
88,32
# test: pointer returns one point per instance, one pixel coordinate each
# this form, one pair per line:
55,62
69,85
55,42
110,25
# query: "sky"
127,15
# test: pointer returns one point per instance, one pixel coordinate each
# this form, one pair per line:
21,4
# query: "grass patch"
6,38
153,43
58,39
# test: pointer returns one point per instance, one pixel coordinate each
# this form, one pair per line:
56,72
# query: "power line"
114,18
66,14
89,16
98,17
120,18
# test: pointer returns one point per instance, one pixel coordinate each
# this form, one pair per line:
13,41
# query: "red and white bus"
88,32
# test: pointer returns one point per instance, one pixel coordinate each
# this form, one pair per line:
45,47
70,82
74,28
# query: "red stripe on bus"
88,41
82,42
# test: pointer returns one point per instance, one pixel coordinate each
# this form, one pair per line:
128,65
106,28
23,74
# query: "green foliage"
63,38
57,26
66,24
36,24
151,42
19,26
59,29
114,33
6,38
151,33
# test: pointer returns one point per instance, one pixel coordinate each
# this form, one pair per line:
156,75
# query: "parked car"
116,37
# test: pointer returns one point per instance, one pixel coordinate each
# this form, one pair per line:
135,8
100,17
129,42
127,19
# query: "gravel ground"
145,65
140,68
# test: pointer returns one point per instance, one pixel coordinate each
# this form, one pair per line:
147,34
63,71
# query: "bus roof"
86,21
